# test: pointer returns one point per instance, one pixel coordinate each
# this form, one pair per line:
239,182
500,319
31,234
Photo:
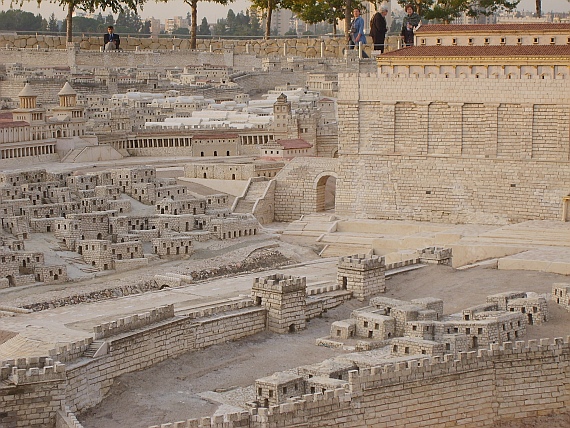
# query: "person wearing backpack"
378,28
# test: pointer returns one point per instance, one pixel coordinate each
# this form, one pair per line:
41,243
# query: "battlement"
438,255
25,375
133,322
228,420
280,283
218,309
361,262
412,370
71,351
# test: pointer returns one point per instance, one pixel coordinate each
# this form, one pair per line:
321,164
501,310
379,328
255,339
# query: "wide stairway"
254,192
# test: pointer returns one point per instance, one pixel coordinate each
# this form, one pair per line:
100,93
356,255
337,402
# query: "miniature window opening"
423,41
454,41
503,40
487,40
535,41
552,40
438,42
470,41
519,41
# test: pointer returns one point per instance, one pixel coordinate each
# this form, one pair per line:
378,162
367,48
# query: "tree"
109,20
204,28
538,4
447,10
267,7
86,25
315,11
88,6
146,27
18,20
53,26
128,22
194,15
182,31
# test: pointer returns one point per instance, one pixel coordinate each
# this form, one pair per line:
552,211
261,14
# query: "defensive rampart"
477,390
452,149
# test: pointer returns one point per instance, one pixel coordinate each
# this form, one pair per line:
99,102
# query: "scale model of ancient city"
281,233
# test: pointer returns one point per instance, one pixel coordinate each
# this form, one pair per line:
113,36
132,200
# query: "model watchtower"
284,297
362,274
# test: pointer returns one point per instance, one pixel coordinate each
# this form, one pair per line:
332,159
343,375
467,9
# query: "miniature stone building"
436,255
361,274
561,294
373,325
284,297
535,308
277,388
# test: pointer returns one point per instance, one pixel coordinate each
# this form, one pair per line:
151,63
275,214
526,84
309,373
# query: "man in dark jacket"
111,41
378,28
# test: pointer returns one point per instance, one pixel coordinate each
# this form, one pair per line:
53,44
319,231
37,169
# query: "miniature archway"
325,187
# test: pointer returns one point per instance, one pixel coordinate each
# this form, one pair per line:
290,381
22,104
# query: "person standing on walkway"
411,23
378,28
357,31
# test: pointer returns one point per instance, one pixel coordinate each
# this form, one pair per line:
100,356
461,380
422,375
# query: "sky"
213,11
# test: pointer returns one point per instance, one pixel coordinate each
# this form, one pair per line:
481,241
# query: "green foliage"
204,28
17,20
87,25
291,32
237,25
183,31
315,11
52,24
109,20
71,6
128,22
446,11
146,27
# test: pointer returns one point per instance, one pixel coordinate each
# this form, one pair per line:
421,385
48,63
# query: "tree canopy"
315,11
238,25
447,10
88,6
18,20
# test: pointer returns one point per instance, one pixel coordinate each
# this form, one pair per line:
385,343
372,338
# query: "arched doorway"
326,192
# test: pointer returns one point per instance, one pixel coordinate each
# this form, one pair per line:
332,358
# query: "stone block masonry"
285,298
399,158
561,294
362,274
478,389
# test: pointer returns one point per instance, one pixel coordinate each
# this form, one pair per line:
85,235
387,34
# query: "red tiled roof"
14,124
487,28
6,116
297,143
559,51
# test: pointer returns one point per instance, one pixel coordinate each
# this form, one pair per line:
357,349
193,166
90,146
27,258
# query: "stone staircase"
93,348
254,192
312,225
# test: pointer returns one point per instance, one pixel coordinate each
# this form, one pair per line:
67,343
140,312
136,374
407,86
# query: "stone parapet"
361,262
280,283
133,322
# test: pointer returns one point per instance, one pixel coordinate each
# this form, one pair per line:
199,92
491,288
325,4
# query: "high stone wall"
453,150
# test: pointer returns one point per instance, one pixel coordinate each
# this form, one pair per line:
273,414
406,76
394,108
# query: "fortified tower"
361,274
284,297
